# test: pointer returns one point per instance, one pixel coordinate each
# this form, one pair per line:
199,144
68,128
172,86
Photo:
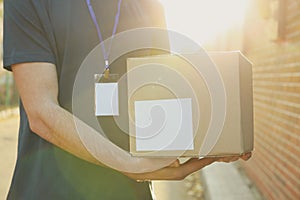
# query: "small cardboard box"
176,106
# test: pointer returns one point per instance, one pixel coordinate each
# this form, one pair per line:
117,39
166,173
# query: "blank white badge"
106,99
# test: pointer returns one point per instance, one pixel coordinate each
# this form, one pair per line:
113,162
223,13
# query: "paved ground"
188,189
224,181
8,149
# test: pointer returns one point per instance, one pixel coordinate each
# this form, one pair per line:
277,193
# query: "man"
45,41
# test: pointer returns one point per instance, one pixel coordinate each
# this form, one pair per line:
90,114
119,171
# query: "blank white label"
164,125
106,99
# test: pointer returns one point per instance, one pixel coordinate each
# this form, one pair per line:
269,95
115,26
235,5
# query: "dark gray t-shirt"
61,32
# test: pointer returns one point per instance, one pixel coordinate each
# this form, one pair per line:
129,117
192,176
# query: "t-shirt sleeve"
25,38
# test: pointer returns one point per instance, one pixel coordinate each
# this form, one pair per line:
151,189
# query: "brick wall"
275,166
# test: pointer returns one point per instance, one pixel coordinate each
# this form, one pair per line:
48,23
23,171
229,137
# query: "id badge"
106,95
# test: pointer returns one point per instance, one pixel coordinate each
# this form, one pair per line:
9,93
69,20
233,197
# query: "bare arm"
38,88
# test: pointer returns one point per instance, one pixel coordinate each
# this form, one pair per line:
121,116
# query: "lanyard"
93,16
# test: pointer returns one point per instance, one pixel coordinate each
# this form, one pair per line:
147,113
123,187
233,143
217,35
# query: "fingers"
246,156
228,159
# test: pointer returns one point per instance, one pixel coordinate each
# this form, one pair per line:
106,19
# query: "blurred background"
8,94
268,33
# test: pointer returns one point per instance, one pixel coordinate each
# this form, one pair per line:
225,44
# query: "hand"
177,171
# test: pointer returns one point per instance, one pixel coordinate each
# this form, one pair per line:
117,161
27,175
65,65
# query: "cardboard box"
172,111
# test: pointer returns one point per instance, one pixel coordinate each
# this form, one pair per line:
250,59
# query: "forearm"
71,134
57,126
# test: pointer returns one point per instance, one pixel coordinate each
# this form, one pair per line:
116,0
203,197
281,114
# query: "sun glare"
204,20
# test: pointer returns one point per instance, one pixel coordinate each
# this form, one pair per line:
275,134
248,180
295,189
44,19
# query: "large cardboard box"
173,109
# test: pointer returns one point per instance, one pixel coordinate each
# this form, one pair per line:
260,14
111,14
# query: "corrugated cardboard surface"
171,77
